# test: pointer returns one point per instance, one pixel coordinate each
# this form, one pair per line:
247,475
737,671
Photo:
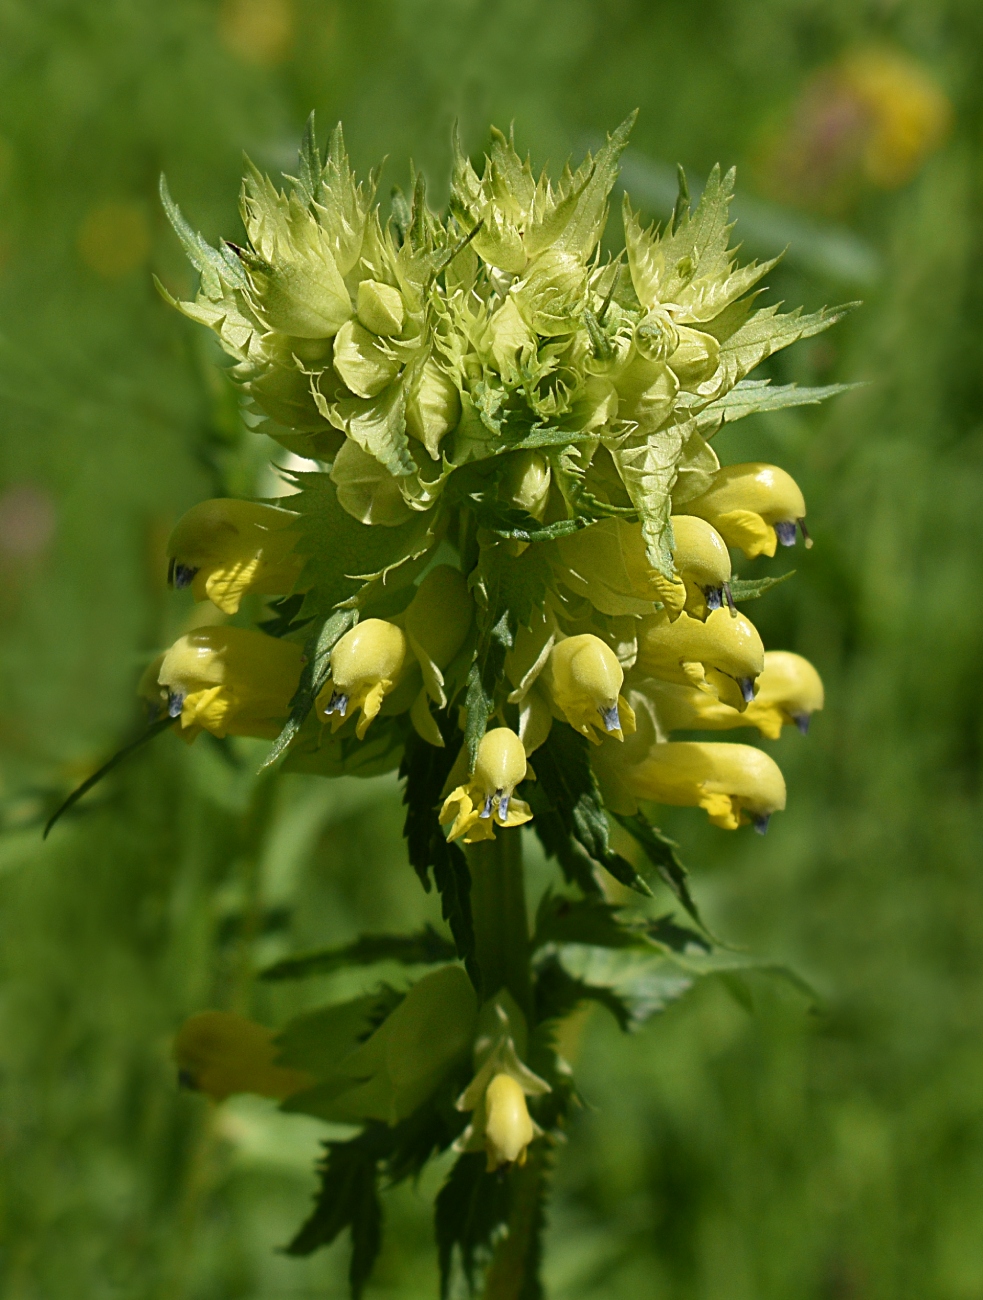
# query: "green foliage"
471,1212
426,948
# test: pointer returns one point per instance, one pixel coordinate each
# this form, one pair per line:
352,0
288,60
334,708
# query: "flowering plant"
509,578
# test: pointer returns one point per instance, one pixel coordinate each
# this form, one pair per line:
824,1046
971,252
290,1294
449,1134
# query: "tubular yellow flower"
365,666
486,800
227,680
702,561
584,679
789,692
508,1125
753,506
219,1053
723,655
735,784
224,548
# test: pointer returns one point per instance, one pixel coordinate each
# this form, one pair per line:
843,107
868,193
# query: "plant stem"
501,928
515,1262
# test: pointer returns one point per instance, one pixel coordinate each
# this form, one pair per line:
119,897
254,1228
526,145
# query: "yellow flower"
224,548
789,692
365,666
734,783
908,116
486,800
508,1125
702,562
227,680
219,1053
584,679
753,506
723,655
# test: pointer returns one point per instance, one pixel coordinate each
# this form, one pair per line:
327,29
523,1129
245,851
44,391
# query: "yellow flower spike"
229,681
224,548
486,799
754,507
724,654
365,666
584,678
702,561
508,1125
735,784
219,1053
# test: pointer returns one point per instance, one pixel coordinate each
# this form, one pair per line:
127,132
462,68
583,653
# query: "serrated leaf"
557,993
348,1198
378,425
470,1212
425,769
214,265
751,396
752,588
343,555
586,224
423,948
648,466
568,815
661,852
767,332
309,164
564,920
313,674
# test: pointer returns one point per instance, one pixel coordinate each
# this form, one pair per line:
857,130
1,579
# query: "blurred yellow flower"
114,238
257,31
220,1053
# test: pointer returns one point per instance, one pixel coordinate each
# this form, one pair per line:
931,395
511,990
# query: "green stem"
517,1254
501,928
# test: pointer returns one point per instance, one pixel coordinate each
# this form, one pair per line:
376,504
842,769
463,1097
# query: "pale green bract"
433,344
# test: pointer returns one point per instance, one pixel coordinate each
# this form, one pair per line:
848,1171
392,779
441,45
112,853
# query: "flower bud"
438,617
696,358
433,407
224,548
508,1126
585,679
753,506
380,308
656,336
362,361
366,489
486,800
365,666
553,294
735,784
526,482
229,681
723,654
219,1053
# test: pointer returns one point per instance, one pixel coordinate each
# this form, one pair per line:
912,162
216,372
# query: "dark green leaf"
426,770
661,852
557,993
348,1198
752,588
284,616
471,1210
426,947
565,920
313,675
153,730
569,817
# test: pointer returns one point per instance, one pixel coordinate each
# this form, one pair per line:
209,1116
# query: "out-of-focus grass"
724,1154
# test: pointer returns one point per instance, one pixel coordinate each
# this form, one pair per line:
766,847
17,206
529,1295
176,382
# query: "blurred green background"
727,1153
